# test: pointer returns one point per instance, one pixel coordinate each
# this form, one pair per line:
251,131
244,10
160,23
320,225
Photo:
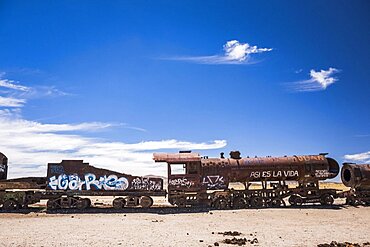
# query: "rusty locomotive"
206,180
192,181
357,177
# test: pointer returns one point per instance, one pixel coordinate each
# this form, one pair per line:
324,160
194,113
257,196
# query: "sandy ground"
308,226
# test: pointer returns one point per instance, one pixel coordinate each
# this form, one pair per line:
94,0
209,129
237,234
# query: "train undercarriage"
357,197
276,196
16,200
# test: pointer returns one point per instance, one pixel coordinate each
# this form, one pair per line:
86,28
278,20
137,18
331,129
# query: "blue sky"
112,82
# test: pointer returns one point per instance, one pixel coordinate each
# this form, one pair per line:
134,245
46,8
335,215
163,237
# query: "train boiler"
357,177
196,180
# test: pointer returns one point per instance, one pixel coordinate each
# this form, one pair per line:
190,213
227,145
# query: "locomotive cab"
184,176
184,170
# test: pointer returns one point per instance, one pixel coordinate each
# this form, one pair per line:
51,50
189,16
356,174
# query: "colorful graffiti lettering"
145,184
214,182
181,182
74,182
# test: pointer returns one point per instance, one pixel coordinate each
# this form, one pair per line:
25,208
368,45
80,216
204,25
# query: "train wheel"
256,202
327,200
51,204
83,203
10,205
240,202
221,203
276,203
146,201
295,200
119,203
88,202
181,202
298,201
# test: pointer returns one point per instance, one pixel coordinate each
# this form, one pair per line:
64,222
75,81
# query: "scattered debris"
201,240
344,244
254,241
216,244
240,241
230,233
236,241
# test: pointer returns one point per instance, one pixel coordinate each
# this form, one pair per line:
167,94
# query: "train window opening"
178,169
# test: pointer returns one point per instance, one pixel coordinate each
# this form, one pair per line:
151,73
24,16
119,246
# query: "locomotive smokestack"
235,155
3,166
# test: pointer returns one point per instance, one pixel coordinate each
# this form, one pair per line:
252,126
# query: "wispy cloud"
362,135
319,80
234,53
16,95
10,84
358,158
11,102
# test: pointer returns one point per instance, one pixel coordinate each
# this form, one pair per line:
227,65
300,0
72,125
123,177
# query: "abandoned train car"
69,184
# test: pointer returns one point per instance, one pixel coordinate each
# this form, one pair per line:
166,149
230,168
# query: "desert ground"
166,226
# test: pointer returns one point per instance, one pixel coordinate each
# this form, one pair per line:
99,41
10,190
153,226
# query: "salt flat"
308,226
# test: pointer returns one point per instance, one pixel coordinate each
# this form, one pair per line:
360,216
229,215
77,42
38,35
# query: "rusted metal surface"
23,183
176,157
217,173
3,166
75,175
356,175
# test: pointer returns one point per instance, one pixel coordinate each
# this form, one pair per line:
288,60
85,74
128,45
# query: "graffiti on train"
274,174
146,184
90,181
214,182
181,182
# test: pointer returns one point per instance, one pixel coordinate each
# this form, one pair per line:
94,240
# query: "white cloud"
31,145
324,77
358,158
10,84
17,94
234,53
11,102
319,80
